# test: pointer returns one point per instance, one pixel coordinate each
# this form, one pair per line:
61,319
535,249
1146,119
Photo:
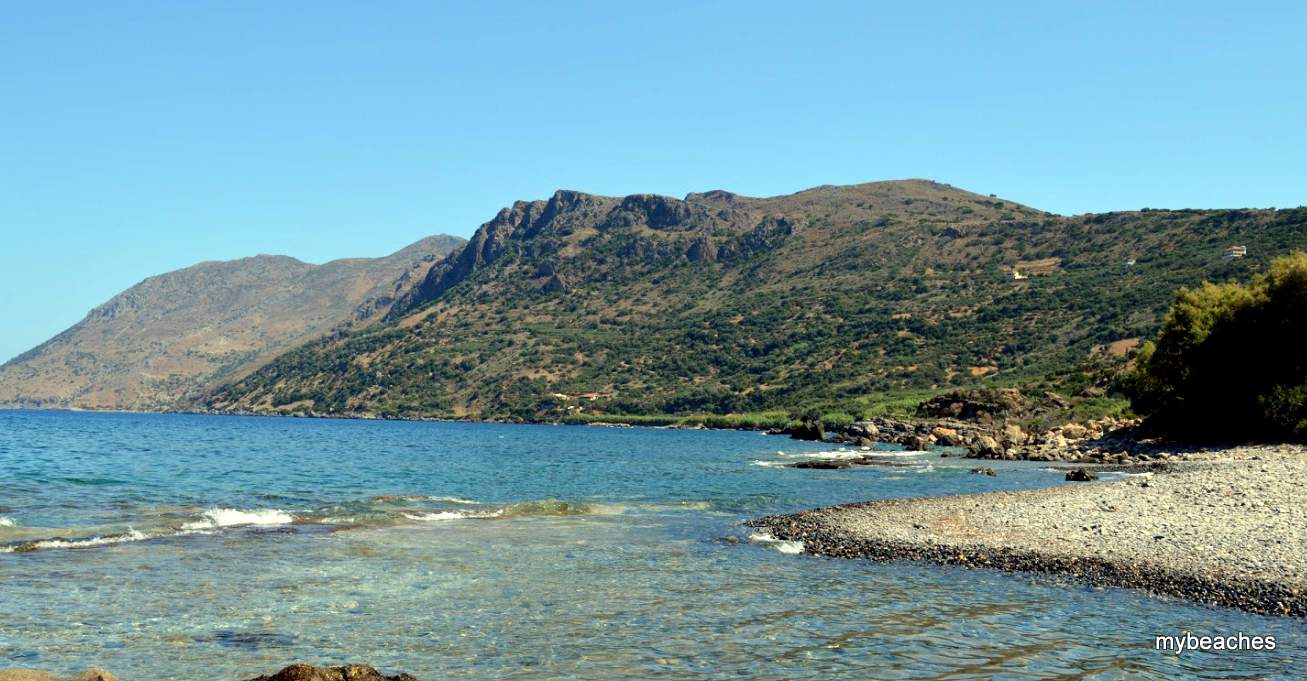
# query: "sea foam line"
88,542
232,517
451,515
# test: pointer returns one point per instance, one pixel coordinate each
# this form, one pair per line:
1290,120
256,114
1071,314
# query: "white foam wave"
6,522
782,545
232,517
333,520
456,500
130,535
770,464
850,454
450,515
832,454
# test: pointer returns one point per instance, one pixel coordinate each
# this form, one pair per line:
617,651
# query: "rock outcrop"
349,672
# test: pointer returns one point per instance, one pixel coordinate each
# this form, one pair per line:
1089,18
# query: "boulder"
1014,436
1053,439
917,443
870,430
984,471
808,430
95,674
972,405
1074,431
986,447
1081,475
349,672
948,437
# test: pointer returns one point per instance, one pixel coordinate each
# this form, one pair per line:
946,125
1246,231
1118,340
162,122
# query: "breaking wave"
75,543
231,517
781,545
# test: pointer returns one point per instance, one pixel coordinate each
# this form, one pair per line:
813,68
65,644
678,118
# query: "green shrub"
1229,360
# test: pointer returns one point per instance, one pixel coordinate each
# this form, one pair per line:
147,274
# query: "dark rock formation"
824,464
1081,475
808,430
349,672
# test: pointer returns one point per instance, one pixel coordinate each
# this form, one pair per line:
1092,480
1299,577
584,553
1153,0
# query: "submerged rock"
824,464
349,672
984,471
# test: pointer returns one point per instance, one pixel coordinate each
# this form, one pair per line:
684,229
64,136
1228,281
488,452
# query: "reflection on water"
456,551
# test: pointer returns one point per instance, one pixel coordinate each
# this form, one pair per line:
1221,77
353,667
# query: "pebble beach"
1227,528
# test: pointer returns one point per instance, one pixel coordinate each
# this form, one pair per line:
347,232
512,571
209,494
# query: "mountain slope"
724,303
174,334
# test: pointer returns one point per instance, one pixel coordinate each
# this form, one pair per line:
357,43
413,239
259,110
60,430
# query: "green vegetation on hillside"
1231,359
839,299
177,335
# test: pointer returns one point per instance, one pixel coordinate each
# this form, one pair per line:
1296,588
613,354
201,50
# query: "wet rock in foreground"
349,672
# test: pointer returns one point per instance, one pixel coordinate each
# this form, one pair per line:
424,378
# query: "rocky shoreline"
1228,529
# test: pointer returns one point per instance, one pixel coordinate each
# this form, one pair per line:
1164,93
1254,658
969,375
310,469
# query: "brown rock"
1014,436
1081,475
919,443
95,674
349,672
948,437
1074,431
986,447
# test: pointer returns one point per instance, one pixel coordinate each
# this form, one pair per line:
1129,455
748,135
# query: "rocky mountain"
175,335
724,303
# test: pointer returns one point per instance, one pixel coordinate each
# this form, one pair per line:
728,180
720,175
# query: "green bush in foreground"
1230,360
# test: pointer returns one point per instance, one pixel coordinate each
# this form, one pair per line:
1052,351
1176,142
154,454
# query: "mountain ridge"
724,303
171,334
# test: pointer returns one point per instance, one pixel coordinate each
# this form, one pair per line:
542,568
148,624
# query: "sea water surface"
189,547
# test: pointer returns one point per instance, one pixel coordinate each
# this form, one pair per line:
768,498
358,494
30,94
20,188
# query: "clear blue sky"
137,138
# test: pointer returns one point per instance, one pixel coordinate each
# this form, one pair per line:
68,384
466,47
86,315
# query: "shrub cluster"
1230,360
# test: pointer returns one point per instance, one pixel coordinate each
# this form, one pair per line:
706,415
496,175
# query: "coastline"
1227,530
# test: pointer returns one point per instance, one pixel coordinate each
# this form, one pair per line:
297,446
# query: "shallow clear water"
184,547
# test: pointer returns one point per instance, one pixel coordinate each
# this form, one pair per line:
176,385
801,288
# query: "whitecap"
852,453
7,522
442,515
232,517
98,540
782,545
452,515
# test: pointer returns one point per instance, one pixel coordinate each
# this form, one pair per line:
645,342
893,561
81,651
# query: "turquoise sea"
202,547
